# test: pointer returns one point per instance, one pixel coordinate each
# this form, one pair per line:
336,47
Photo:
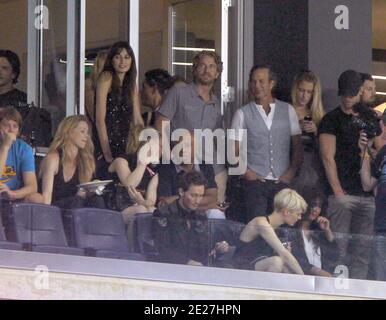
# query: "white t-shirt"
314,256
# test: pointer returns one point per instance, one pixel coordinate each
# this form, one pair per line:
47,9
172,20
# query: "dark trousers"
259,197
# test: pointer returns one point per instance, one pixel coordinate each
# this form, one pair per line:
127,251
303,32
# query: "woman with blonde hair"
135,175
260,247
69,162
306,97
91,84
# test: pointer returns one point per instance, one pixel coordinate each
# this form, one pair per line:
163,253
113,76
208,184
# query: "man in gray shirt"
274,150
194,106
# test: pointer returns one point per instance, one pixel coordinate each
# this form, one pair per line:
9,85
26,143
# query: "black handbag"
117,198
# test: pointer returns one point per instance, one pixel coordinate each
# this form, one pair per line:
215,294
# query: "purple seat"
6,245
39,228
143,237
102,233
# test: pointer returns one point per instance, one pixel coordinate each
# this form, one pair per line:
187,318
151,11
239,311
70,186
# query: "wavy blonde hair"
133,142
316,105
99,64
85,161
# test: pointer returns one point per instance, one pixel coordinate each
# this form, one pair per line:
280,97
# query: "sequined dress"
118,117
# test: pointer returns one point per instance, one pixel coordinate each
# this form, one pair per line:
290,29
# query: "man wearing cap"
350,208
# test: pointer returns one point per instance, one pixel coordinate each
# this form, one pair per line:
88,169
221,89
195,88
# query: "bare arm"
150,197
151,192
260,226
7,139
296,159
319,272
103,87
368,182
327,143
30,186
158,122
269,235
49,170
89,99
138,120
164,139
209,200
379,142
127,177
162,201
3,158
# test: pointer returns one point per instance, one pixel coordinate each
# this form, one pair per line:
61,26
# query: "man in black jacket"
182,234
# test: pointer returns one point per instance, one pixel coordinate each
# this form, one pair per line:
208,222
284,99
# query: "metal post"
33,54
82,54
134,29
71,58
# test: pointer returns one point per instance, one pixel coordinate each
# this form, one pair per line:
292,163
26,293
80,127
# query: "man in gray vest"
274,150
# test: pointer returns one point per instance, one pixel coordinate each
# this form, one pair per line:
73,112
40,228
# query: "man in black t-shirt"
350,208
168,179
9,73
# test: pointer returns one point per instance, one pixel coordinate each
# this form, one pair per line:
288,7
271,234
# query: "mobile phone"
224,204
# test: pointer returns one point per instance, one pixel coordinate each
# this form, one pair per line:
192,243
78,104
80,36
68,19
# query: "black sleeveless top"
248,252
62,189
118,118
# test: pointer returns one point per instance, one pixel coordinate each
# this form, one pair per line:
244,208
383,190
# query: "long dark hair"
128,85
311,196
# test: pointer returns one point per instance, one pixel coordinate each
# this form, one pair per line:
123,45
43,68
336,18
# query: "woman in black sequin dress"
117,102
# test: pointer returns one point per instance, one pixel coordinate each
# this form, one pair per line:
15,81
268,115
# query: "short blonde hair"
289,199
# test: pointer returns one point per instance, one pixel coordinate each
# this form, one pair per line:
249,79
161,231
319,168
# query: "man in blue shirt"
17,163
